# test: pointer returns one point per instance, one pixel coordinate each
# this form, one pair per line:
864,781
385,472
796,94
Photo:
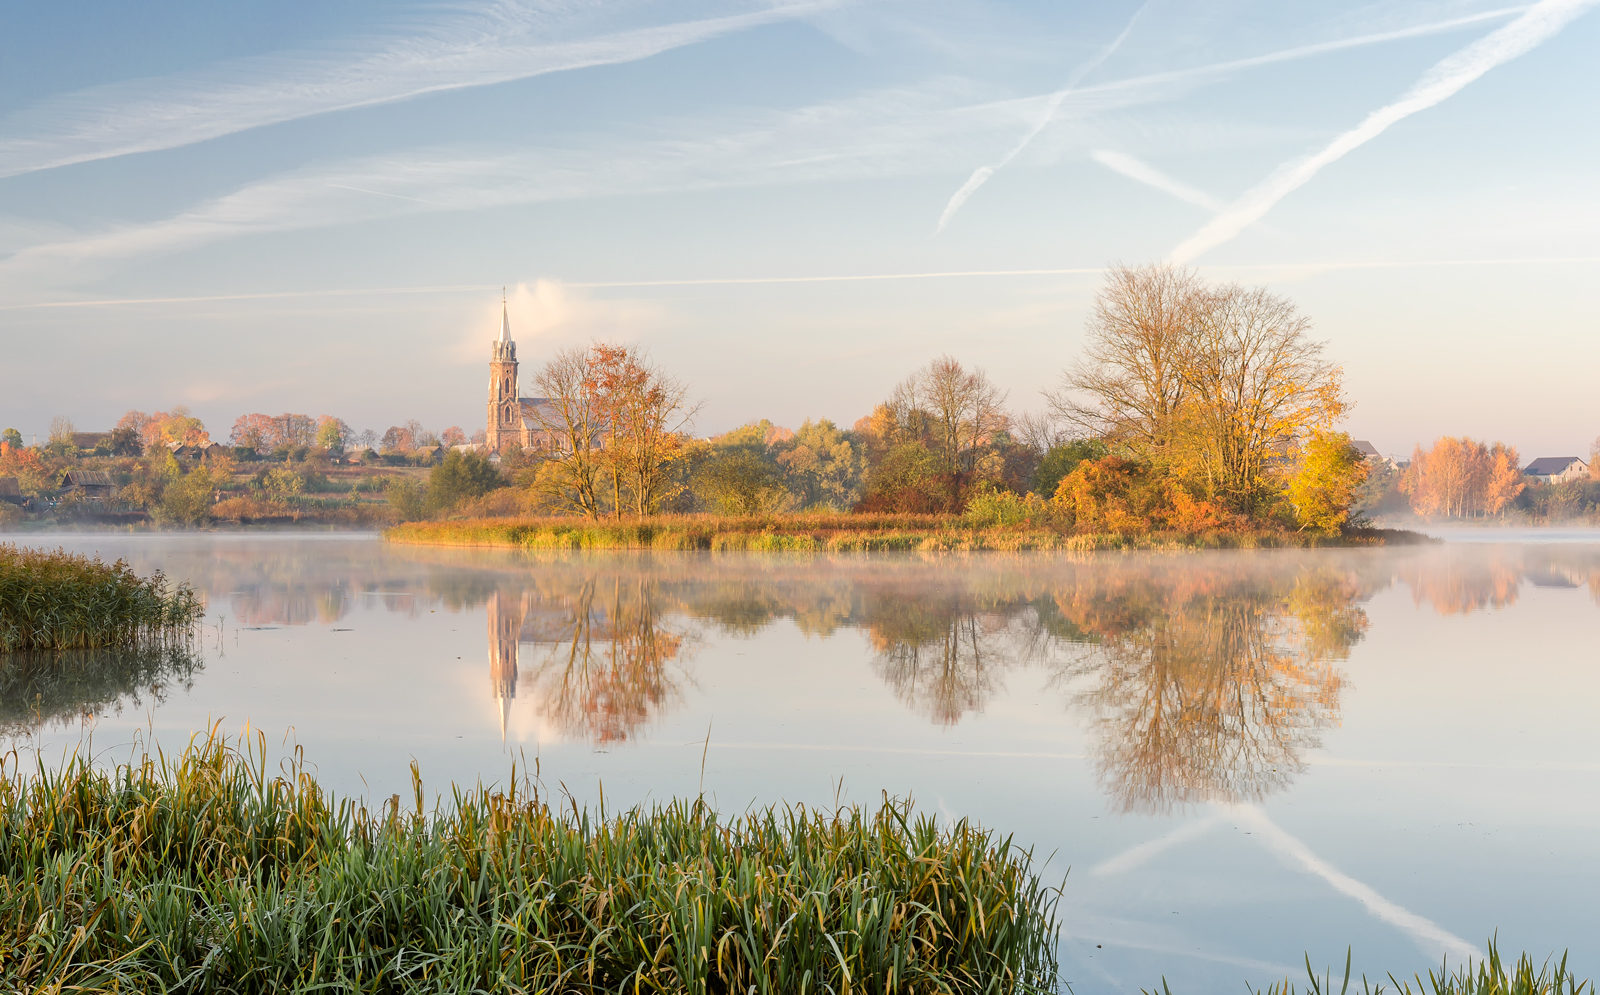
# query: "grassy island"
212,872
844,533
58,600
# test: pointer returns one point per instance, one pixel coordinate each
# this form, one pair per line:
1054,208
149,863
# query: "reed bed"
48,686
59,600
823,533
211,872
1489,976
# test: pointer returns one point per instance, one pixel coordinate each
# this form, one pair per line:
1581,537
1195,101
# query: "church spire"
505,318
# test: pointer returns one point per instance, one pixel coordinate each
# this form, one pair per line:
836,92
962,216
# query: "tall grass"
833,533
210,872
1488,976
59,600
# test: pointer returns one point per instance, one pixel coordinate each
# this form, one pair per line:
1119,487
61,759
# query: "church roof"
505,321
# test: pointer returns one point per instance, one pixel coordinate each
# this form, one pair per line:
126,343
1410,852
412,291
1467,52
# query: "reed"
212,872
1491,975
828,533
59,600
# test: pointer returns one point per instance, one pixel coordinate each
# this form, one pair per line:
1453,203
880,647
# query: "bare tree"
1130,383
572,425
962,408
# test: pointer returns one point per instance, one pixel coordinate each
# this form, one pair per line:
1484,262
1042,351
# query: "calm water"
1240,757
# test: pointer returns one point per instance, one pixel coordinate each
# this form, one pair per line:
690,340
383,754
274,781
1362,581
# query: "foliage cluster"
59,600
210,872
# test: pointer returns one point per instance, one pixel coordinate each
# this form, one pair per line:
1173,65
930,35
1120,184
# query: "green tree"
741,479
459,477
408,497
187,499
824,466
12,438
1060,460
1323,486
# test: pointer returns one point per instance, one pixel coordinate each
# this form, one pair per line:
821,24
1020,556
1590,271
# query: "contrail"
1142,853
981,175
1539,23
480,288
1427,934
1143,172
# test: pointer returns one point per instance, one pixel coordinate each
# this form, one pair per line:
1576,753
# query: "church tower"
505,415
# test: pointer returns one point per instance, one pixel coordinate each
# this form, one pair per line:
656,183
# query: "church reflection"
605,659
1199,678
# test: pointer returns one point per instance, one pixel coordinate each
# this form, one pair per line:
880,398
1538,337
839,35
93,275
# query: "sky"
790,205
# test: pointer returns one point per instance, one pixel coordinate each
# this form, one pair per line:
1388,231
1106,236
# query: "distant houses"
1556,469
87,485
11,491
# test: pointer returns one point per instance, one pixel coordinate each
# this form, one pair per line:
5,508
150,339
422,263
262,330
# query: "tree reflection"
1210,685
611,661
38,690
941,654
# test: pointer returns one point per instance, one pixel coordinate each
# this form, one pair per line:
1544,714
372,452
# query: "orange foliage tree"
1461,477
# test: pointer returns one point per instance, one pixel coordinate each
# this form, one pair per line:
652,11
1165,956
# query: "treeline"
1462,478
1195,408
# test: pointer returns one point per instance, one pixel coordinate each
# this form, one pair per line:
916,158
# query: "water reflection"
39,691
1200,678
1209,684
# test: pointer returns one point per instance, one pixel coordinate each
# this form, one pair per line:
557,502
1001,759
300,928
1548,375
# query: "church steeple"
505,409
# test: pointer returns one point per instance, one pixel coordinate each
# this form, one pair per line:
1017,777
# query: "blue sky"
312,207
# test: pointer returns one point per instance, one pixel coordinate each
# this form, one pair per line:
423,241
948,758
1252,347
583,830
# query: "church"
514,422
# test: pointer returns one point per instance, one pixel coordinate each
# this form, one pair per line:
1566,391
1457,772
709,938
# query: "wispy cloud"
1536,25
981,175
1143,172
490,43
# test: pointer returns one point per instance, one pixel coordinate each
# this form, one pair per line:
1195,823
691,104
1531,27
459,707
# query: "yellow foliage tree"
1324,483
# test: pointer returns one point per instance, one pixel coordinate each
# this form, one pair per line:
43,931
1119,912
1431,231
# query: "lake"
1227,759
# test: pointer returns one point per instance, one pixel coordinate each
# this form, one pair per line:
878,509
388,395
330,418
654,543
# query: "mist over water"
1241,756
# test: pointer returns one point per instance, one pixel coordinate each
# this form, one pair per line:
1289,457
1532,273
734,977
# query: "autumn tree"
1133,376
642,413
959,409
169,428
571,420
1214,385
12,438
1461,477
739,474
1323,487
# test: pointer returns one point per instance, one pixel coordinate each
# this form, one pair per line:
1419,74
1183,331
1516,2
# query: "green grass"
1488,976
210,872
831,533
58,600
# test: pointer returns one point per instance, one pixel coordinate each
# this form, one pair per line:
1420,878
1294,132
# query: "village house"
87,485
1556,469
11,491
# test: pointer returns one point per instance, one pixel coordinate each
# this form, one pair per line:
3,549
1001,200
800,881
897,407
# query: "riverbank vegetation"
210,872
59,600
849,533
1491,975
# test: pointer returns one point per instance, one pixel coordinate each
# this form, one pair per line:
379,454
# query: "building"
514,421
1556,469
87,485
11,491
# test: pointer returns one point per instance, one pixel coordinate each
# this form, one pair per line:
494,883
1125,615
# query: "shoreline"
849,533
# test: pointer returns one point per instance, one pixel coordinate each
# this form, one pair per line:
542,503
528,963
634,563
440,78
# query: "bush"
990,507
